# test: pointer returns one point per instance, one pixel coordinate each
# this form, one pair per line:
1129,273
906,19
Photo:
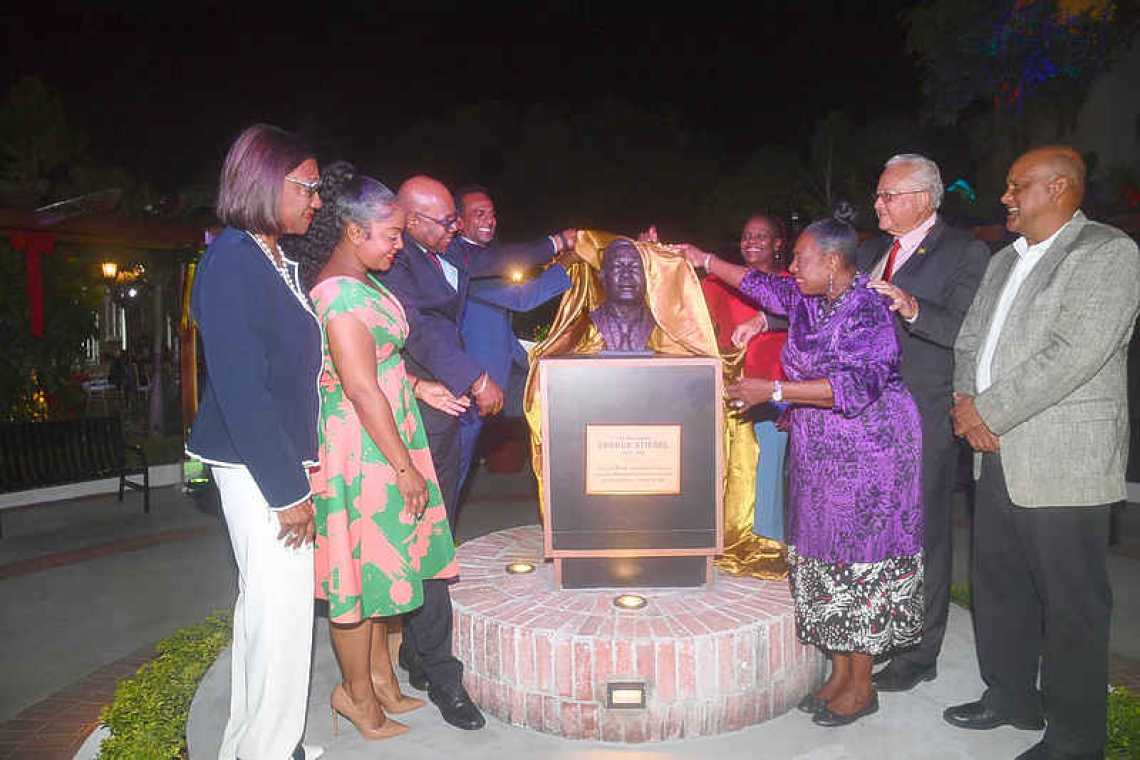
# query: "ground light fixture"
630,601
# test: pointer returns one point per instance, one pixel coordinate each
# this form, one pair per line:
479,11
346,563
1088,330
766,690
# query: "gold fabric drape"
684,328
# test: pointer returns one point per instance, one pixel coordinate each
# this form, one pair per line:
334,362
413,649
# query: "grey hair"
835,235
364,200
925,171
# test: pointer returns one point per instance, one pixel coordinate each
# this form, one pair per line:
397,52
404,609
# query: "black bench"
38,454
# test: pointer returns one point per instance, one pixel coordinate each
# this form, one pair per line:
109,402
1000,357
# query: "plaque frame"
710,483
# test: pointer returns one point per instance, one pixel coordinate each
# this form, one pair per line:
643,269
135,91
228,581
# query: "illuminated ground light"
516,276
520,568
625,695
630,602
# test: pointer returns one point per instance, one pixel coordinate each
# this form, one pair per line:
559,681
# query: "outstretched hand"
749,329
649,235
437,396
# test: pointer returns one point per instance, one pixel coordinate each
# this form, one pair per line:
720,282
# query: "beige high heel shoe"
342,704
394,701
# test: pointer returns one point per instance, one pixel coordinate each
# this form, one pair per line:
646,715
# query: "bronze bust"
624,320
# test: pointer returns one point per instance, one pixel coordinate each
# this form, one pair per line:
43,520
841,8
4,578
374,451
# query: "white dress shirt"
1028,256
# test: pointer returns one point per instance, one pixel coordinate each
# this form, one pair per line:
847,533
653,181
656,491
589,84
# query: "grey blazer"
1058,399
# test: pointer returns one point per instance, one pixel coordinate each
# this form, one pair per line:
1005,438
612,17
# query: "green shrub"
149,714
960,594
1122,741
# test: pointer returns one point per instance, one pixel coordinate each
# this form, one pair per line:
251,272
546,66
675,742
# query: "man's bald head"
432,221
1043,189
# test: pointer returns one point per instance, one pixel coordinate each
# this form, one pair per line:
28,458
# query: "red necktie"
435,258
889,269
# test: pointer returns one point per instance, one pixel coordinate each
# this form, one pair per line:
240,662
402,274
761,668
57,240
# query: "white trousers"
273,627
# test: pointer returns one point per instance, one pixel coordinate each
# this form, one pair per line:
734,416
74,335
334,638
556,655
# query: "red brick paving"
57,726
59,559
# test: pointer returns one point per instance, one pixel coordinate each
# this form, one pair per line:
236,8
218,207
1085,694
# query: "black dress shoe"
456,706
975,715
410,661
829,719
811,704
900,675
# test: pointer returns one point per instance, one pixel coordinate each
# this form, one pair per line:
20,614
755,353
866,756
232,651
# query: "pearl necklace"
283,271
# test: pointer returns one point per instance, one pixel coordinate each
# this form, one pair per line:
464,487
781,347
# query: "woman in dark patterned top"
855,496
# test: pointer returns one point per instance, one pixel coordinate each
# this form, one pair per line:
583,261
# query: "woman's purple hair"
249,192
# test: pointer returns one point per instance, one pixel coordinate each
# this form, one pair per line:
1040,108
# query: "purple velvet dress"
855,476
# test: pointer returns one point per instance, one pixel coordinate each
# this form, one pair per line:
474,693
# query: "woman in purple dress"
855,495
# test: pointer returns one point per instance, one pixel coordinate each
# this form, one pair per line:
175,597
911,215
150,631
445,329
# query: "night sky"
162,93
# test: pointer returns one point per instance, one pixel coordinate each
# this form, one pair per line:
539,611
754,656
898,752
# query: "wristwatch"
777,391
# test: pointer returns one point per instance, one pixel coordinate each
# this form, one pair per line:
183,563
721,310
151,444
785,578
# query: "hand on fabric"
413,488
297,525
567,258
437,396
568,238
489,397
969,424
749,329
901,301
695,256
751,391
649,236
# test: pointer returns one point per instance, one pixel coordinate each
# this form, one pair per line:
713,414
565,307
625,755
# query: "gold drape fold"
684,328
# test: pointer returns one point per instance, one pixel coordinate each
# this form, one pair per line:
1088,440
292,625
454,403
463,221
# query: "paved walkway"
88,586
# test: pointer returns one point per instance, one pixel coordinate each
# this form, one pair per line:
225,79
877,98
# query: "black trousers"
427,631
939,467
443,441
1040,591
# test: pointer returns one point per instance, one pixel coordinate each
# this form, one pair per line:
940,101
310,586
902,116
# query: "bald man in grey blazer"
1041,396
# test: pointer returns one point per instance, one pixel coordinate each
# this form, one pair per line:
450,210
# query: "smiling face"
1030,199
759,243
379,244
906,210
812,267
622,273
297,205
479,220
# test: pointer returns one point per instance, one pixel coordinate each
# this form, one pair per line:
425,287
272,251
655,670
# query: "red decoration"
35,245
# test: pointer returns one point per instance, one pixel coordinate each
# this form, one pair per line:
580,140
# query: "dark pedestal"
632,450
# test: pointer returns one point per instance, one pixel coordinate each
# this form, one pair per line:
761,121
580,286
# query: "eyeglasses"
310,188
890,196
447,222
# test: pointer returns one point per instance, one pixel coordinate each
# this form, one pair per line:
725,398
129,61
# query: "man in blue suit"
486,326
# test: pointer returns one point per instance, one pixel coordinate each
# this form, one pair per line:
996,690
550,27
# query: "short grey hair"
835,235
925,171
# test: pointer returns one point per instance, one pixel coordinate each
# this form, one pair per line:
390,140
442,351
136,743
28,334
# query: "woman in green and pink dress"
381,524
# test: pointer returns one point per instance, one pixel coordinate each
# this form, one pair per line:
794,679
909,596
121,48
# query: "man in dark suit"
930,272
430,280
486,327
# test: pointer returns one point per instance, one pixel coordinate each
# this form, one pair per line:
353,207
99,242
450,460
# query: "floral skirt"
865,607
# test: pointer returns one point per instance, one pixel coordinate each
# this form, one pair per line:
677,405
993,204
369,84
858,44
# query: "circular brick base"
712,660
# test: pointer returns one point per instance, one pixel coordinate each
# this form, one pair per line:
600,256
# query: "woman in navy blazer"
257,426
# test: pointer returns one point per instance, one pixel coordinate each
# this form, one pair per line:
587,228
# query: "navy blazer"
486,329
434,348
259,405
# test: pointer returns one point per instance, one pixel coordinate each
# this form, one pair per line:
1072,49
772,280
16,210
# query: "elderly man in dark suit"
930,272
1041,396
430,279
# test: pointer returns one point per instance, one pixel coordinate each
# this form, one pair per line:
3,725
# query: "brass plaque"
633,459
